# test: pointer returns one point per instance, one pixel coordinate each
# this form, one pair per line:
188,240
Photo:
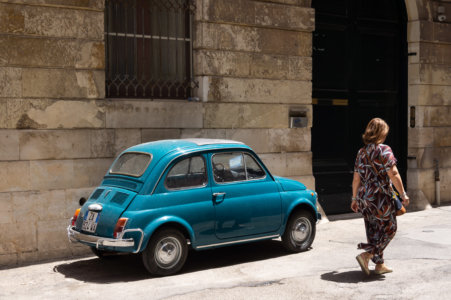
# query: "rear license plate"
90,221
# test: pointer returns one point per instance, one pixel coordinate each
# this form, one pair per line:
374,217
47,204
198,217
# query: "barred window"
149,48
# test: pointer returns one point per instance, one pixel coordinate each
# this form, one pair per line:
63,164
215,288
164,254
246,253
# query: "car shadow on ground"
126,268
351,277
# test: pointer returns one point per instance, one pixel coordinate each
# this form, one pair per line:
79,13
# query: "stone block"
49,114
8,260
252,39
54,144
288,164
24,208
150,135
45,52
154,114
53,174
425,94
430,74
281,67
50,206
230,115
441,32
51,21
242,64
442,137
27,257
222,115
225,37
125,138
433,53
257,139
227,89
9,145
437,116
430,155
289,140
298,163
445,185
93,4
10,81
207,62
3,113
102,143
63,83
203,133
420,137
14,176
90,172
275,162
18,237
51,236
259,13
6,209
264,116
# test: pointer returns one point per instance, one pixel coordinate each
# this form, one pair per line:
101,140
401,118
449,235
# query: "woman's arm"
393,173
355,188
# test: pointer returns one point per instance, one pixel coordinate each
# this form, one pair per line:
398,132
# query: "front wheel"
299,232
166,253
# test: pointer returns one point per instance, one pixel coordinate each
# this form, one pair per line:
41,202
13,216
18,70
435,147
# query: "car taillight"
119,228
74,218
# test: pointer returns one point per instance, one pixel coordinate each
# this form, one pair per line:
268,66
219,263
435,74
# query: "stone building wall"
58,133
429,93
253,62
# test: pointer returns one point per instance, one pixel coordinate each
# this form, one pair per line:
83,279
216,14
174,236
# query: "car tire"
102,254
166,252
299,232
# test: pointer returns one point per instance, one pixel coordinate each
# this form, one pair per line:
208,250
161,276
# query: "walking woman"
371,195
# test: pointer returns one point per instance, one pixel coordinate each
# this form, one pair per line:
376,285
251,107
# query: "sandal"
383,270
363,262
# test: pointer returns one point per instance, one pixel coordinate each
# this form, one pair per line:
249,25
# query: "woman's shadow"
355,276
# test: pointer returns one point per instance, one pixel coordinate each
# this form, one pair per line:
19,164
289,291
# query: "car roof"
162,147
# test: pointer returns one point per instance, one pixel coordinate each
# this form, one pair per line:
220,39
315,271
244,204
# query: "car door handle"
216,195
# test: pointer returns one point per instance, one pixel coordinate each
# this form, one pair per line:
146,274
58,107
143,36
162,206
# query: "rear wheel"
166,253
299,232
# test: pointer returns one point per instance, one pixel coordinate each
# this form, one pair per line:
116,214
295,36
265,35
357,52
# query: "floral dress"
374,199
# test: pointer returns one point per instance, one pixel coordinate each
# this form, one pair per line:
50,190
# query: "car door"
184,192
246,199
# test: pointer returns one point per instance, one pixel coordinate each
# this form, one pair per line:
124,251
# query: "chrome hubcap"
168,252
301,230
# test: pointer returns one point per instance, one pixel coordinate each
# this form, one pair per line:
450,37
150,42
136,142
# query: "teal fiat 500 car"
161,199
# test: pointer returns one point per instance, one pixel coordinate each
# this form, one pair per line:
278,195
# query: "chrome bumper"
98,241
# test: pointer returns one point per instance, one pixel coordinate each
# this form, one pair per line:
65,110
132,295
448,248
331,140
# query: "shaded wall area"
429,100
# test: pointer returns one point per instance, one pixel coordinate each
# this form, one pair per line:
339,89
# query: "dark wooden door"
359,72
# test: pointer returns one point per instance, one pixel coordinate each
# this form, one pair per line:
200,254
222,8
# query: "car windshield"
132,164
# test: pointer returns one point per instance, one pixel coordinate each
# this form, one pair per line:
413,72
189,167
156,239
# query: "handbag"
400,209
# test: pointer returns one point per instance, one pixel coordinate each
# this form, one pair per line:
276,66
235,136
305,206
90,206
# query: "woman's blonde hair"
376,131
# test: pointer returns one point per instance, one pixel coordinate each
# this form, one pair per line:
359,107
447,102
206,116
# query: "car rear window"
131,164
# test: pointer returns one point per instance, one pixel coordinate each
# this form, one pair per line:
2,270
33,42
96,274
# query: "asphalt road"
420,255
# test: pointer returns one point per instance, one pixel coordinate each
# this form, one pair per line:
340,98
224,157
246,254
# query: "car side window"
228,167
189,172
253,169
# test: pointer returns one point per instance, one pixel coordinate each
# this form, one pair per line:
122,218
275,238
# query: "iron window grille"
149,48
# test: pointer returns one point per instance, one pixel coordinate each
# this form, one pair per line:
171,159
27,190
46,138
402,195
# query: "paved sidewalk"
420,254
